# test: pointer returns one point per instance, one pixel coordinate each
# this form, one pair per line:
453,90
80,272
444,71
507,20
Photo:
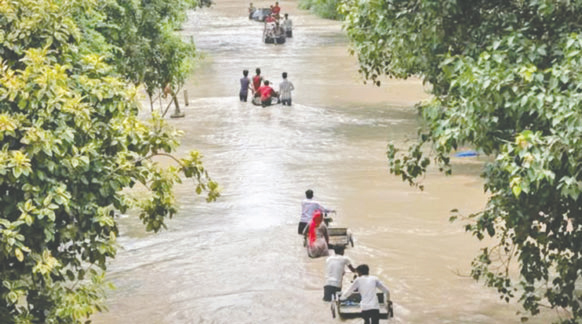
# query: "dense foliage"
71,143
323,8
506,78
150,52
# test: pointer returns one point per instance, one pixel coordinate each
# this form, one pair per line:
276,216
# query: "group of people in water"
275,25
262,90
312,224
275,28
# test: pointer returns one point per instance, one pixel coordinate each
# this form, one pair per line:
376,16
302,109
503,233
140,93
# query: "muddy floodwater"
239,260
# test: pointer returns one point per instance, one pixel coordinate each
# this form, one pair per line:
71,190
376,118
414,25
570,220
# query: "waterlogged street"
239,260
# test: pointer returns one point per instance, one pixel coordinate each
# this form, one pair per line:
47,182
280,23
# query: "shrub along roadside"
71,144
323,8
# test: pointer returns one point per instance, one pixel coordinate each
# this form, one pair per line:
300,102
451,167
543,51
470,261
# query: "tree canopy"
324,8
149,52
71,144
506,78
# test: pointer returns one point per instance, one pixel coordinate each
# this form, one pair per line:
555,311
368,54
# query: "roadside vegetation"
72,144
505,79
323,8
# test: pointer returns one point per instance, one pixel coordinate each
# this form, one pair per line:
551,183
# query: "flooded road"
239,260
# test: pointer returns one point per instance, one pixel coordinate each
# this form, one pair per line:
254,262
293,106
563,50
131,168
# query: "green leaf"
18,254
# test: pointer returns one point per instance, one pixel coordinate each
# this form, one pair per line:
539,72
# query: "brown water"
239,260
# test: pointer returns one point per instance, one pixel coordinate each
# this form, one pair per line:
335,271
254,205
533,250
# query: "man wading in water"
257,80
334,272
288,26
308,208
266,93
366,286
245,85
285,89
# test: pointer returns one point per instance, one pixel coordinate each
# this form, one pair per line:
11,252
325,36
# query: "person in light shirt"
335,266
285,88
288,26
308,208
366,286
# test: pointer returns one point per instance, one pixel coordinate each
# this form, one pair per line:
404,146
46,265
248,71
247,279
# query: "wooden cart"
337,235
350,308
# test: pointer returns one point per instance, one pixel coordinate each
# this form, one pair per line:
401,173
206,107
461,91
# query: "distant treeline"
324,8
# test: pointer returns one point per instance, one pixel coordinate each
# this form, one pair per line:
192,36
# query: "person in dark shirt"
245,85
251,10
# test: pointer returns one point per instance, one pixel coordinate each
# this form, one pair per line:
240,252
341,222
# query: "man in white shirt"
366,286
335,266
285,88
288,26
308,207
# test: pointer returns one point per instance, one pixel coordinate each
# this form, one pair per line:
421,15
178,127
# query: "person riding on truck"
276,10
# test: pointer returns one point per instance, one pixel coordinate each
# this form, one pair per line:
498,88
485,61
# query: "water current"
239,260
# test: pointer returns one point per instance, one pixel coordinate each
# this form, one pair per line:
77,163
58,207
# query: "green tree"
506,79
150,52
71,145
323,8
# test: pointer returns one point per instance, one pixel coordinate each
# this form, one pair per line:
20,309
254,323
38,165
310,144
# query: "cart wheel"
332,307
